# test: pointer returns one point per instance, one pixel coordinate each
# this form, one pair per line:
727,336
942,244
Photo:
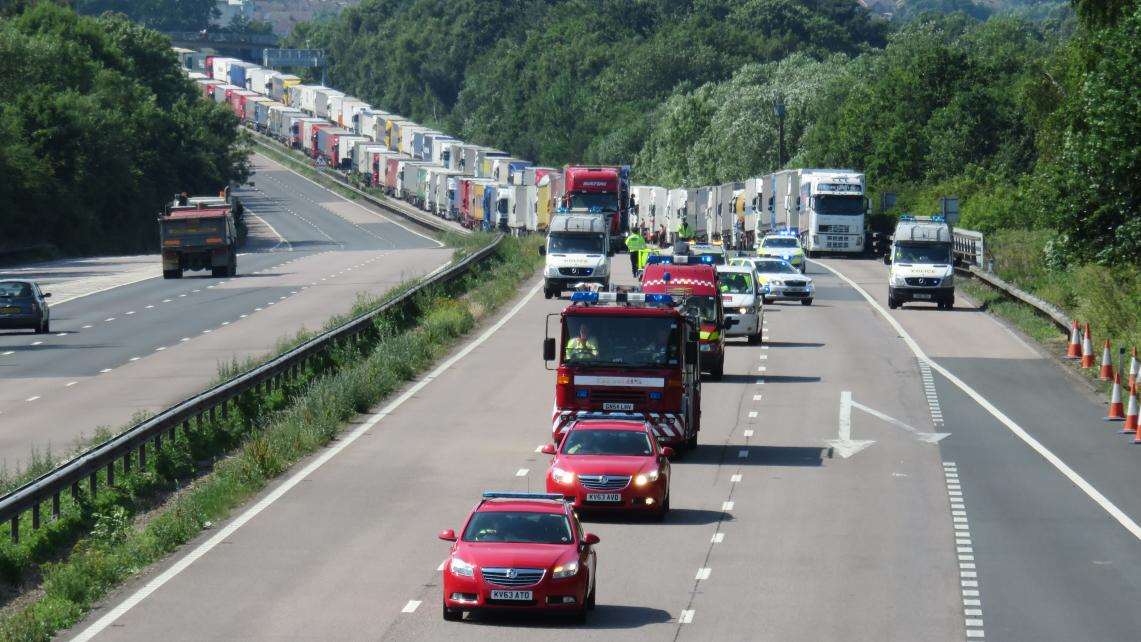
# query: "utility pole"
779,110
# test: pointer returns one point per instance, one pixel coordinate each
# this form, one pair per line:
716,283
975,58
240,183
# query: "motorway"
930,519
125,341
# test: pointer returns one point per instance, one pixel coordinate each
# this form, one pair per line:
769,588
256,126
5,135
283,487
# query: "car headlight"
744,310
776,282
461,568
646,478
561,476
569,569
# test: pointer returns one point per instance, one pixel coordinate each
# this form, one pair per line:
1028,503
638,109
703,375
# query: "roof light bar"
504,494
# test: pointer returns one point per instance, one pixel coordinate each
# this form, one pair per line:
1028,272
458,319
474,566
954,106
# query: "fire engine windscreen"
705,307
629,443
575,244
922,253
510,526
843,205
624,342
586,200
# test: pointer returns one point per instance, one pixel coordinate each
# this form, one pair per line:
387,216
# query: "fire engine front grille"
617,396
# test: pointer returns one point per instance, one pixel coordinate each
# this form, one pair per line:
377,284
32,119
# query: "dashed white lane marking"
166,300
748,433
761,369
717,538
243,316
763,357
30,399
225,323
86,327
149,307
37,343
686,617
61,334
411,606
105,370
108,319
207,331
184,339
756,397
735,479
70,384
752,414
130,313
160,348
727,505
1093,493
134,358
703,573
181,295
968,572
522,472
326,455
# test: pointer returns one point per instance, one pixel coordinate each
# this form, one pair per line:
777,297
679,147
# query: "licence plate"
9,310
603,497
705,347
518,596
617,406
921,296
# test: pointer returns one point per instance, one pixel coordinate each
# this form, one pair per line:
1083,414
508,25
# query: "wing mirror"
668,452
549,349
542,250
549,449
590,539
887,259
47,295
448,535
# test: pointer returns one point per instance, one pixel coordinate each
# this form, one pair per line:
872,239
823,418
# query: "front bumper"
905,293
747,325
472,593
633,498
558,283
785,293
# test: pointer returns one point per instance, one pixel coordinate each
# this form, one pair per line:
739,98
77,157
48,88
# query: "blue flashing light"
582,394
655,395
661,299
708,259
595,209
562,210
906,217
938,218
504,494
655,259
584,297
667,276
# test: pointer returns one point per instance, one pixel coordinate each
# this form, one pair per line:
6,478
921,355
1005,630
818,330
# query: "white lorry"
825,207
577,251
922,262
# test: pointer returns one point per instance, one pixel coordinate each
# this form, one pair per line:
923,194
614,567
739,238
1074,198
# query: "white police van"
922,262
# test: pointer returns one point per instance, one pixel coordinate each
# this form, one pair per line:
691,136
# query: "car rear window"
518,527
15,289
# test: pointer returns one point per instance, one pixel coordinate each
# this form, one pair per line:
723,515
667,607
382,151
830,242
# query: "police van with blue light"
921,262
577,251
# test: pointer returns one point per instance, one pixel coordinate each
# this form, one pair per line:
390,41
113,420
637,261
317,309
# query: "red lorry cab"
697,286
619,356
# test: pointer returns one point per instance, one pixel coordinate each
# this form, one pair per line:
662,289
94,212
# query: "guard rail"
123,450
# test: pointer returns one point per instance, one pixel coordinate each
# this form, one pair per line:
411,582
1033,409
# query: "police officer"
635,243
684,231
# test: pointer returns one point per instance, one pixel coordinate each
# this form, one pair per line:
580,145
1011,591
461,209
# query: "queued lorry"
825,207
199,234
604,190
921,261
627,355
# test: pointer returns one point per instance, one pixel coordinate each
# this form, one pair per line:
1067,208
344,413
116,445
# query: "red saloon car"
611,464
520,551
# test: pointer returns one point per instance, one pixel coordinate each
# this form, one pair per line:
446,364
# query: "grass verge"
103,538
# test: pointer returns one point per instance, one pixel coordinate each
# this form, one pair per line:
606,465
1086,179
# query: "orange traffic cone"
1087,349
1106,372
1131,414
1074,350
1133,366
1116,410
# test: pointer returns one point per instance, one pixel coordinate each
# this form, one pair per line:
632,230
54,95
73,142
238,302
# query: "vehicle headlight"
776,282
569,569
552,270
646,478
561,476
898,280
744,310
461,568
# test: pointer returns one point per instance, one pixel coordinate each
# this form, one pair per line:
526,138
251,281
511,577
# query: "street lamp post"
779,111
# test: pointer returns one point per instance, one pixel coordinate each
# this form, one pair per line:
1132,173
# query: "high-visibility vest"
578,348
684,231
635,242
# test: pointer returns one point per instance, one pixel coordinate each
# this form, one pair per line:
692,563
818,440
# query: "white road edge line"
1035,445
332,451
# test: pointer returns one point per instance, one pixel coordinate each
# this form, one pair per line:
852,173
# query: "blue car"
22,306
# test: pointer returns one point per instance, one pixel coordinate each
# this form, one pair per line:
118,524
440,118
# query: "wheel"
767,301
806,301
754,339
452,615
548,294
664,510
221,270
590,599
44,328
892,303
718,370
691,443
171,274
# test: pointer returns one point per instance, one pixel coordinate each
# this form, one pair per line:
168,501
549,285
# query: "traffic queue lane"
1052,562
804,544
305,262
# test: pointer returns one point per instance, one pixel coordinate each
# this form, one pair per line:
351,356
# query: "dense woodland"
98,128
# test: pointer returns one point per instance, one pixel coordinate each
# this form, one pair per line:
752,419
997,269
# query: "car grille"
513,576
925,282
617,396
576,271
604,482
795,284
833,229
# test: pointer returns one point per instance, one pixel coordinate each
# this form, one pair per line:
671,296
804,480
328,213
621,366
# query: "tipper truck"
198,236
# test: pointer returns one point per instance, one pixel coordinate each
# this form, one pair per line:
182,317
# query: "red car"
520,551
611,464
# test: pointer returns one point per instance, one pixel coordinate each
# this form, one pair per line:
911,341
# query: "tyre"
43,328
590,599
452,615
664,510
806,301
548,294
754,339
691,443
766,301
892,303
221,270
171,274
718,370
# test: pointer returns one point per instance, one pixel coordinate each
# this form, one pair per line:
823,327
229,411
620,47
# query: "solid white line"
280,239
1101,500
226,532
411,606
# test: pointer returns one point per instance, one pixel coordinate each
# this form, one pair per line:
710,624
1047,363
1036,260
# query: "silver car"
784,282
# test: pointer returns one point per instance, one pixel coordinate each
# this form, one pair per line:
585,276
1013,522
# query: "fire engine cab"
627,353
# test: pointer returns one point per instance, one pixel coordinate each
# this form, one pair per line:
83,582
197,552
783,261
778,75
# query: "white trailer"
322,100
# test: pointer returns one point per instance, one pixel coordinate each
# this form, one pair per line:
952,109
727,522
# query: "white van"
577,251
922,263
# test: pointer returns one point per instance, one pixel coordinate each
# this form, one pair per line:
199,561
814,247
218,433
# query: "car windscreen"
844,205
587,200
779,242
607,442
775,267
735,283
575,244
518,527
922,253
14,289
705,307
623,341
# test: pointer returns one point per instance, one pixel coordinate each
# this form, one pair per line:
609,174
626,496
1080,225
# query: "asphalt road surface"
125,341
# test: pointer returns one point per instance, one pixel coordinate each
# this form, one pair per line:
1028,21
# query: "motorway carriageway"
124,340
774,533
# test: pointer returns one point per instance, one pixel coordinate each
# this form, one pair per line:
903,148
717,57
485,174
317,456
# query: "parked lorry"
627,355
922,262
825,207
198,236
577,251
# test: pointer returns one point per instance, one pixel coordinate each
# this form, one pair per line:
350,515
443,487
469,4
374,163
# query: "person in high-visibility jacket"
684,231
635,243
581,346
644,257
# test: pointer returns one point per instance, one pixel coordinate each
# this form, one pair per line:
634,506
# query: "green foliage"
166,15
91,149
